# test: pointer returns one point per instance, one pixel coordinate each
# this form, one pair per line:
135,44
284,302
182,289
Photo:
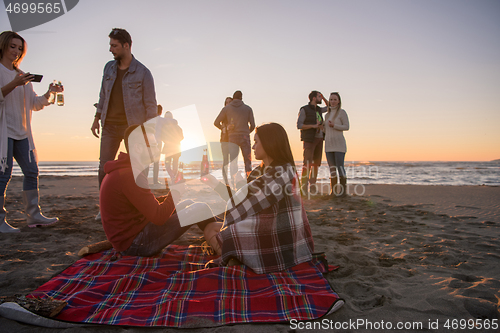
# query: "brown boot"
343,186
333,186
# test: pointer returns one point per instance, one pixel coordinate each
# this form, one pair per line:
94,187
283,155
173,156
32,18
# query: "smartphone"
37,77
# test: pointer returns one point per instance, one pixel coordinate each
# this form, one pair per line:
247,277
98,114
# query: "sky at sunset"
420,80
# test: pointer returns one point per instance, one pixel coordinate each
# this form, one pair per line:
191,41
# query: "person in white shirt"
17,101
336,122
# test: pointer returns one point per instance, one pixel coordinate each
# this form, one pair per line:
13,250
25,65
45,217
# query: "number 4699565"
40,8
471,324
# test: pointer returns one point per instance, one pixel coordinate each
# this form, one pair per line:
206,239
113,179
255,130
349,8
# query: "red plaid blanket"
174,289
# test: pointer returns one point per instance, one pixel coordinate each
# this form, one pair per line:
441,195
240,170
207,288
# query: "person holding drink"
17,101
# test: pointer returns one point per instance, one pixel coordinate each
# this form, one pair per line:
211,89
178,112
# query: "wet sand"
409,254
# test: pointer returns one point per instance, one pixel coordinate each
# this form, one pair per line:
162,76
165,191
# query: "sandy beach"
407,254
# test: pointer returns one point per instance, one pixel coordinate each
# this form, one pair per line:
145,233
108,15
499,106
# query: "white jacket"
32,102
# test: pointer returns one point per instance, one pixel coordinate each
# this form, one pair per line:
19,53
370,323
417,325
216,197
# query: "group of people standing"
236,122
316,129
134,220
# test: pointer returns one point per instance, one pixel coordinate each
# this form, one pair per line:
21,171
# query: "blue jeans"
111,137
241,141
20,150
153,238
225,159
335,161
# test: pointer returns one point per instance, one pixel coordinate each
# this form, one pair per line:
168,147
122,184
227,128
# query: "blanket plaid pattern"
174,289
268,229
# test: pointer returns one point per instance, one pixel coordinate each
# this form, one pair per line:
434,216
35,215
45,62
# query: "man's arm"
220,118
300,121
149,96
251,120
102,97
327,103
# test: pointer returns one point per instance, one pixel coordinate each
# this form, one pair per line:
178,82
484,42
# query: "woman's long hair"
275,142
5,39
340,100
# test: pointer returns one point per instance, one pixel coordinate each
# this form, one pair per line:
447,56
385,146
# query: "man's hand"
95,128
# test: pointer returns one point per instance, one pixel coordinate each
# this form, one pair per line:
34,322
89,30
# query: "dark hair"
275,142
160,109
6,38
238,95
340,99
313,94
121,35
226,100
127,133
148,128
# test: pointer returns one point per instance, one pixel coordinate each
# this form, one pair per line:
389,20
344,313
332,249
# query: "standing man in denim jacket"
127,97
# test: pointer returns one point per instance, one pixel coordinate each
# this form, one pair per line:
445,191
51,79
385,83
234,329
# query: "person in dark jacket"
240,122
310,124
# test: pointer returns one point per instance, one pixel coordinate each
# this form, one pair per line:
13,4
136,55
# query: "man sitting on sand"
135,222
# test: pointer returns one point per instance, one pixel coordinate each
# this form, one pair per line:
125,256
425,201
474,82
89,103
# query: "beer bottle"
205,168
60,96
179,178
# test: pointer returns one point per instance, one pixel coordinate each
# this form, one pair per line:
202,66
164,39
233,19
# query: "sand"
411,254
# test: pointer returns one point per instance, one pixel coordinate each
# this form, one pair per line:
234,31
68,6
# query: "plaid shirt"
267,228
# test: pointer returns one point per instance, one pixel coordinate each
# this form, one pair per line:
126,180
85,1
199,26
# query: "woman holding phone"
17,101
265,225
336,122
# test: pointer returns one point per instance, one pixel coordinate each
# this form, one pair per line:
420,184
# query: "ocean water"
415,173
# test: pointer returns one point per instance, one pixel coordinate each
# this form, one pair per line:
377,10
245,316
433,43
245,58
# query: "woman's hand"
330,123
210,180
53,88
22,79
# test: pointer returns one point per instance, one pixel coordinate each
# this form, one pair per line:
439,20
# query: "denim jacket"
138,92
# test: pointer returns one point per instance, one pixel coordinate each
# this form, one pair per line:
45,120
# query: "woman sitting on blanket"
265,225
